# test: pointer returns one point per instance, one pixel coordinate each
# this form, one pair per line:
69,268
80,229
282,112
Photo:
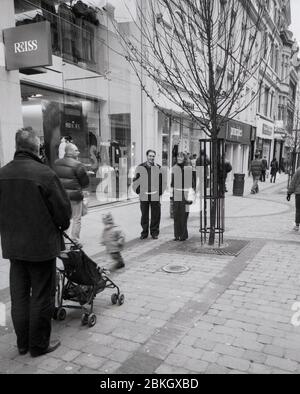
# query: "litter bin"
239,185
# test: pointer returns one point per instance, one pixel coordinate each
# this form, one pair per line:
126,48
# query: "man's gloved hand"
289,197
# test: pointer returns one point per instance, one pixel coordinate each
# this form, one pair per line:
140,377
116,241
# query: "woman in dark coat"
182,182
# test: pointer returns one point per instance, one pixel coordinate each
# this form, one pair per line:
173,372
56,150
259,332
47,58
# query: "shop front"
237,136
264,140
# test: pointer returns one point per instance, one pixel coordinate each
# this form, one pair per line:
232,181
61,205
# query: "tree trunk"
215,190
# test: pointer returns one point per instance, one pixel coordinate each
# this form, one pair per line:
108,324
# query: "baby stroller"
79,281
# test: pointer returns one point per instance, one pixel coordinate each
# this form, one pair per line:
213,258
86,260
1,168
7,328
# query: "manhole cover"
175,269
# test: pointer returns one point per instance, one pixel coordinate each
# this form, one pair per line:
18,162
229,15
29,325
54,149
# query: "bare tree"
201,54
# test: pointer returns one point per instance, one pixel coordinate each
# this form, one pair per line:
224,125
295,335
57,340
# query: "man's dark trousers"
155,207
32,287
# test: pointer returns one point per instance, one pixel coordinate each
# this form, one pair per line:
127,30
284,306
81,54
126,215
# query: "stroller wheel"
121,299
114,299
84,319
92,320
60,314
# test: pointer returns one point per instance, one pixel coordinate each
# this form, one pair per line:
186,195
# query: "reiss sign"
28,46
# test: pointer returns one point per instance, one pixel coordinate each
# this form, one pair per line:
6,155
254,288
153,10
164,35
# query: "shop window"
120,146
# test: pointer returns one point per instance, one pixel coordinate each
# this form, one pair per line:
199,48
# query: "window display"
60,119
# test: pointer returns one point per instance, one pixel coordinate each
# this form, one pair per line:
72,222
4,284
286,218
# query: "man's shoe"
296,229
143,237
155,237
51,348
23,351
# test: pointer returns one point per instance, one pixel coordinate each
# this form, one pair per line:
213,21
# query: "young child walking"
113,239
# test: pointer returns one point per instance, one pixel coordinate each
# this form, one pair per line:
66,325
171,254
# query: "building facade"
276,103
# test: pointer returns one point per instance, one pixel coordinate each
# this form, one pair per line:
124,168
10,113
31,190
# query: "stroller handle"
65,235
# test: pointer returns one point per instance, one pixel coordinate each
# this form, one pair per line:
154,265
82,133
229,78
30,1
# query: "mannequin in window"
49,13
115,152
66,29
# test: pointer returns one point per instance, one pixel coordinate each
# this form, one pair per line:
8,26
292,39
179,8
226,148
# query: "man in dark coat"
73,175
148,184
34,209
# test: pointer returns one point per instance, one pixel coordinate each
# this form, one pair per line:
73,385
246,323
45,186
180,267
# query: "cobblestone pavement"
225,315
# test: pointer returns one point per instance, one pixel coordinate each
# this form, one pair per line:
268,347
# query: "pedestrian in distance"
35,209
181,184
147,183
204,161
294,188
223,175
256,171
264,169
113,239
74,178
274,170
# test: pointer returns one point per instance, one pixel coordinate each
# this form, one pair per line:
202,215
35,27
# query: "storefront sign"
28,46
267,130
234,131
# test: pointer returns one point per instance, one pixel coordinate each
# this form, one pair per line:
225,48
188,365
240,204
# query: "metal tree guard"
212,211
